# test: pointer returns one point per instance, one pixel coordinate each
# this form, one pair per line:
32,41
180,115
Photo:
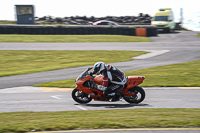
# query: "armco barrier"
80,30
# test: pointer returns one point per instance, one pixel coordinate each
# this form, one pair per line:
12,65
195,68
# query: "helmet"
99,67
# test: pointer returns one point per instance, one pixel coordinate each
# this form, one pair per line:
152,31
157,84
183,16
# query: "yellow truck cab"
164,20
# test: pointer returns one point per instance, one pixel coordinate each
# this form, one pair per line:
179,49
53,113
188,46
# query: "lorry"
164,20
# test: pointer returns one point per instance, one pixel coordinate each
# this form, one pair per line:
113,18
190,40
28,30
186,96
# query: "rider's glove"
100,87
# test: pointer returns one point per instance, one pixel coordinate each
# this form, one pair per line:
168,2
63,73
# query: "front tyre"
80,96
138,97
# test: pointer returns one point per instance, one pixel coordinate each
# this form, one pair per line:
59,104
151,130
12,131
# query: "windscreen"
161,18
84,74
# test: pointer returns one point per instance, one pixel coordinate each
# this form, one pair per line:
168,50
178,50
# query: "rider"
113,78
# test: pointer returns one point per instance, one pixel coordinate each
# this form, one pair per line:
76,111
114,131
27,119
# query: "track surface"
34,99
184,48
180,47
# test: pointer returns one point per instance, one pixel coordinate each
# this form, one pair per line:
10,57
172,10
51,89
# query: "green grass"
71,38
24,62
126,118
7,22
198,34
184,74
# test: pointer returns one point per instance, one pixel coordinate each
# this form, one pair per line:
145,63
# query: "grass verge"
183,74
198,34
7,22
68,120
24,62
71,38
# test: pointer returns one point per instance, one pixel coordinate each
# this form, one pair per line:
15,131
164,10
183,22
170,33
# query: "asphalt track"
17,95
163,52
178,47
59,99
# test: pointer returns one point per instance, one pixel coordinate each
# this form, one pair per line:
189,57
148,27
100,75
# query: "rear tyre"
80,96
138,97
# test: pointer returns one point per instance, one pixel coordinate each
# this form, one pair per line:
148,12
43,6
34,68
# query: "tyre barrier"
78,30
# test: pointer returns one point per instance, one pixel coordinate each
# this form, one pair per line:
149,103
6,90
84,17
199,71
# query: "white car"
104,23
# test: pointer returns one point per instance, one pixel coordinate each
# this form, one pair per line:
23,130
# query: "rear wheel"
138,97
80,96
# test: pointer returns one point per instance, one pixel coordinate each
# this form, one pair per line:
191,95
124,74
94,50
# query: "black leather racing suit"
113,79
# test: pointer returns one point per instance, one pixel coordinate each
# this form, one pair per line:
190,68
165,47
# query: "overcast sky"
98,8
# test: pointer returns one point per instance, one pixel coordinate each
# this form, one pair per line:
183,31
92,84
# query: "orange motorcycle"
85,91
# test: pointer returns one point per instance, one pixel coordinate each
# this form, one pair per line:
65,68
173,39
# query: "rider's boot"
109,94
117,97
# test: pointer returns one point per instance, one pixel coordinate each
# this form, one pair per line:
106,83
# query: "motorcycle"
85,91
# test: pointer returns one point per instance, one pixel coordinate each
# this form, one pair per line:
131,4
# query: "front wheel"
138,97
80,96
